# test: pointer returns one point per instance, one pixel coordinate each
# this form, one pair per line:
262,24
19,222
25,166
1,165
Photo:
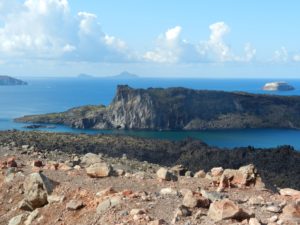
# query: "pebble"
274,209
74,205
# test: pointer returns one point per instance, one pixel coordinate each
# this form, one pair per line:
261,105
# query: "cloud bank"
47,30
171,48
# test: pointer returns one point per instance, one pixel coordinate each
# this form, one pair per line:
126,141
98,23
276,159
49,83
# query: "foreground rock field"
57,187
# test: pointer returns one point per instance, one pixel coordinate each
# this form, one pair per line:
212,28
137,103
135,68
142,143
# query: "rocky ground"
279,167
59,187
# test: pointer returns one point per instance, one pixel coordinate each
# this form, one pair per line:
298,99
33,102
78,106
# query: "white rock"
168,191
289,192
254,221
32,216
137,212
17,220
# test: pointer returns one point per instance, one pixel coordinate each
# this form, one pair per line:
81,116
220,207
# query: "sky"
169,38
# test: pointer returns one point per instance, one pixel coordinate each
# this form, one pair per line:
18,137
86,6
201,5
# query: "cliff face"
181,108
6,80
132,109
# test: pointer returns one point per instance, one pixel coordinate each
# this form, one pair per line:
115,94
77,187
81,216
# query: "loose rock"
17,220
99,170
165,174
36,189
74,205
226,209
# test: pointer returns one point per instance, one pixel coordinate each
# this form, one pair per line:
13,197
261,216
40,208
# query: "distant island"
181,109
278,86
83,75
7,80
125,75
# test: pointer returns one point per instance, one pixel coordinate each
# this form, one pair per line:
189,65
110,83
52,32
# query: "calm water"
55,95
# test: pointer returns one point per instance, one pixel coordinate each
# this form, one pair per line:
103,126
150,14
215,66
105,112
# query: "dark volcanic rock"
277,166
181,109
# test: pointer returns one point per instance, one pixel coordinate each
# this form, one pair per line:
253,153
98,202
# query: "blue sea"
44,95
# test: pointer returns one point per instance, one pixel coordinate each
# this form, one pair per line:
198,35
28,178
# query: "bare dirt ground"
134,196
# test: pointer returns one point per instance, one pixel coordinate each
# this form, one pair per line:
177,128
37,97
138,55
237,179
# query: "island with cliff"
180,109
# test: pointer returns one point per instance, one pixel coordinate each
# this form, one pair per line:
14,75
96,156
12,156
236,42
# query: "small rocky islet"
180,109
39,186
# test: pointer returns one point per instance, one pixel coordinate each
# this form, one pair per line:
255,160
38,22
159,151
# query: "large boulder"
217,171
98,170
289,192
90,159
191,200
165,174
200,174
291,213
178,170
37,187
226,209
244,176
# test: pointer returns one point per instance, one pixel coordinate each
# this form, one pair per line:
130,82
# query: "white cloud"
69,48
45,29
216,43
281,55
250,52
216,50
168,47
171,48
88,24
296,58
173,33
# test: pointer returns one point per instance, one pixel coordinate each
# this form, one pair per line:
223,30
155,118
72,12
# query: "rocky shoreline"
44,179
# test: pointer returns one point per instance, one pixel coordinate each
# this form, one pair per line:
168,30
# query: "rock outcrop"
181,109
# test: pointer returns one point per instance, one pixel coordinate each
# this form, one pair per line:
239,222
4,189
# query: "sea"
45,95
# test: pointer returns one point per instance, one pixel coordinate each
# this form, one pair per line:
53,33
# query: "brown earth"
135,195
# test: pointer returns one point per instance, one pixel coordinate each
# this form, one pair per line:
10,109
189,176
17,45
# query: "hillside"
279,167
54,179
181,109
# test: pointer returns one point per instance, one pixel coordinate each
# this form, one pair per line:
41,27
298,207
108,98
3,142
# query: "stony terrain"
57,187
279,167
181,109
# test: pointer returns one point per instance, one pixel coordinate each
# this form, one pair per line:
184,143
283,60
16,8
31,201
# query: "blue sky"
170,38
